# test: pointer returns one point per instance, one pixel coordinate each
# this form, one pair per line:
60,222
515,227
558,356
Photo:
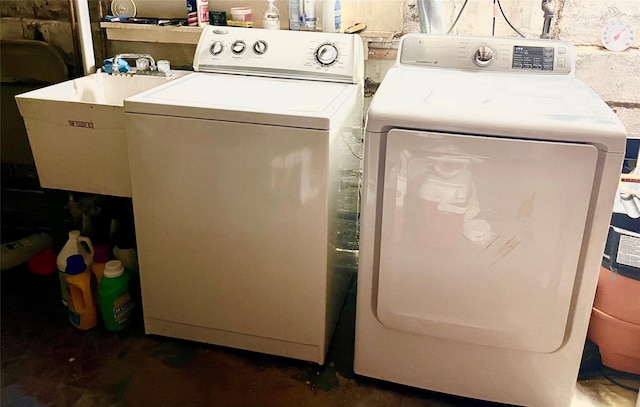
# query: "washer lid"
236,98
561,108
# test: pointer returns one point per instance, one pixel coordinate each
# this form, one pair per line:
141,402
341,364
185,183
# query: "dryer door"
481,237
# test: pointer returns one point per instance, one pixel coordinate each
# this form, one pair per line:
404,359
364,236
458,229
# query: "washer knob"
327,54
484,56
238,47
260,47
216,48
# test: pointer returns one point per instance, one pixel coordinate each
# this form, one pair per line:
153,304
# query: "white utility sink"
77,134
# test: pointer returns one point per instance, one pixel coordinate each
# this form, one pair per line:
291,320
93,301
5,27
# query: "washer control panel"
523,55
280,53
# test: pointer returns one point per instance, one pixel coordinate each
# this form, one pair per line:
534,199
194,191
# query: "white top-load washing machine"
236,175
489,177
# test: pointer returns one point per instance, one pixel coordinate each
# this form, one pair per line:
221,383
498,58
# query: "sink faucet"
152,62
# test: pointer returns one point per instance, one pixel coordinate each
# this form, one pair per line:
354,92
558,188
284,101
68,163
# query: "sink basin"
77,134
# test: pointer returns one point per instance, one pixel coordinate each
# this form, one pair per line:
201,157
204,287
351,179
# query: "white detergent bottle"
331,16
271,19
76,244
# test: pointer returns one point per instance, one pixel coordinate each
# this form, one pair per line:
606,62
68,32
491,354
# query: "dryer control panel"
521,55
281,54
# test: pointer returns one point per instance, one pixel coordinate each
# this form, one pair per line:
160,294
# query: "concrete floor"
48,362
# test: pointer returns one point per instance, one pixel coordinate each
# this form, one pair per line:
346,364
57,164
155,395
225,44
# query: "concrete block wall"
50,21
613,75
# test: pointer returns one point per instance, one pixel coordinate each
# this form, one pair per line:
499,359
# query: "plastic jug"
82,309
76,244
116,305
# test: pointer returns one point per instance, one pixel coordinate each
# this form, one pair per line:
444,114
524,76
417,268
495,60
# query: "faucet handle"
142,64
152,62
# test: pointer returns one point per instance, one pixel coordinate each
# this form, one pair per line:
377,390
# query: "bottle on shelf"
331,16
202,7
308,15
295,22
271,19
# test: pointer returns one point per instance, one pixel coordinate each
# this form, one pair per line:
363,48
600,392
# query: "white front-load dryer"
489,177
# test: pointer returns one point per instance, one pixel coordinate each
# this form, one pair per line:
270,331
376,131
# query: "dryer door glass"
481,237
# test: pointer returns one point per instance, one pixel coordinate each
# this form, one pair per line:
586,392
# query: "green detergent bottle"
116,305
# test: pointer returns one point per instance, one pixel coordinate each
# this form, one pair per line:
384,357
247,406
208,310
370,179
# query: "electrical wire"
493,23
458,17
507,20
617,383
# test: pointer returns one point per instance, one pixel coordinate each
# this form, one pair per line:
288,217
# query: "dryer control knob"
484,56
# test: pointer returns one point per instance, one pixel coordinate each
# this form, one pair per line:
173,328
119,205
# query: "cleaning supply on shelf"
242,14
331,16
271,19
116,304
192,13
295,22
76,244
203,12
308,14
82,309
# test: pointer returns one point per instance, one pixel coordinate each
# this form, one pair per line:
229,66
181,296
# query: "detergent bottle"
76,244
116,304
82,309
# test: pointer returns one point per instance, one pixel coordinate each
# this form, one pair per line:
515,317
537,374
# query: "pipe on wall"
84,33
77,56
431,16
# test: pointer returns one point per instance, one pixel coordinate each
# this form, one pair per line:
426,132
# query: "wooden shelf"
191,35
151,33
